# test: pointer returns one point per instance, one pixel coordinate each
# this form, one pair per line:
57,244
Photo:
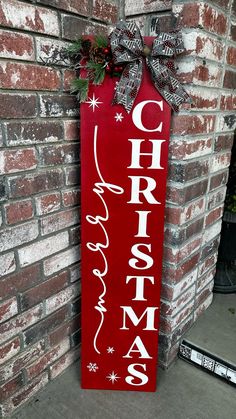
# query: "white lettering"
135,373
137,115
136,153
147,191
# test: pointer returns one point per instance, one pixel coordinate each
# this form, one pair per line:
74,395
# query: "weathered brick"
145,6
176,236
71,129
204,280
105,11
233,32
68,76
226,122
209,248
43,248
59,154
62,260
203,46
17,106
231,56
208,263
21,360
64,362
199,72
76,338
7,264
76,305
42,328
224,142
220,162
18,211
8,309
61,298
171,292
42,363
189,148
58,106
73,27
75,272
82,7
211,232
20,322
66,329
218,180
173,307
186,194
59,221
16,45
221,3
173,275
28,17
12,161
230,79
18,235
203,98
192,124
21,280
203,306
75,237
72,175
30,184
9,349
38,293
161,23
48,203
214,215
216,197
184,172
33,132
20,76
9,388
177,254
228,102
204,294
71,197
51,51
168,325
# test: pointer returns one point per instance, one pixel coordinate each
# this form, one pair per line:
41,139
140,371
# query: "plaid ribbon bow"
128,47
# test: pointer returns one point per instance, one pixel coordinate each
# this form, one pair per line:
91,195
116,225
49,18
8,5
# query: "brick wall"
199,156
39,193
39,184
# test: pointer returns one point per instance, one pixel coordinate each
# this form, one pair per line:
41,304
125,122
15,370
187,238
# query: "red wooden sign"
124,167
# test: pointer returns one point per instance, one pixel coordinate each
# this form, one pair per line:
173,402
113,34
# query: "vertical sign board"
124,167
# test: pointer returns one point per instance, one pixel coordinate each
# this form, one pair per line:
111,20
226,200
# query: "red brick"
186,171
203,307
71,197
12,161
9,388
192,124
51,51
20,322
34,295
172,215
218,180
66,329
42,363
186,194
20,281
17,235
15,75
203,99
233,32
204,280
9,349
28,391
19,211
221,3
224,142
228,102
231,56
220,161
75,272
230,79
214,215
22,360
26,133
105,11
181,329
215,198
68,77
58,106
173,275
62,260
72,176
210,248
64,362
59,221
168,325
16,45
46,204
59,154
17,106
28,17
81,7
71,130
61,298
189,148
204,294
43,327
173,307
30,184
8,309
74,27
7,265
203,46
146,6
75,235
200,73
176,255
208,263
176,236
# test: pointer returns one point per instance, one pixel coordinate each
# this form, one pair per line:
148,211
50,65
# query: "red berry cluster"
111,68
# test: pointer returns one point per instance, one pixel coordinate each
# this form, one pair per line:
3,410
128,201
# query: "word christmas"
124,166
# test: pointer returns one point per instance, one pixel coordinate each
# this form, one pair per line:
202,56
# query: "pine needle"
81,87
100,41
96,72
75,48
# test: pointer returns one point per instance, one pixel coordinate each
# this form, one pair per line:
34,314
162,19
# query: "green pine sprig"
100,41
81,87
96,72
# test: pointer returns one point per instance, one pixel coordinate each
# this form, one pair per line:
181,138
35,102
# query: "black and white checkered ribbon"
128,48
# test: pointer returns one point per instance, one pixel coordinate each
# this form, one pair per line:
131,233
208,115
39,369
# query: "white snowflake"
113,377
93,102
92,367
118,117
110,350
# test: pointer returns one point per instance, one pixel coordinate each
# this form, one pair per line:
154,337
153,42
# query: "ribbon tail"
167,85
129,84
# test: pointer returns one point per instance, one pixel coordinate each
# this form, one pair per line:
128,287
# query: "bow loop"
128,47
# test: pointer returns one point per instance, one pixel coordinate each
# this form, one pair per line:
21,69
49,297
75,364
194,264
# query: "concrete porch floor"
183,392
